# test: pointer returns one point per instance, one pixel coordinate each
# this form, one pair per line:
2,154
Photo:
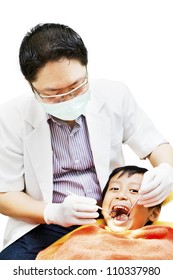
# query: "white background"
127,40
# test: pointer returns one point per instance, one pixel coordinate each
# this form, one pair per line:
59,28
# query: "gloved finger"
154,200
86,200
154,189
86,215
150,181
79,207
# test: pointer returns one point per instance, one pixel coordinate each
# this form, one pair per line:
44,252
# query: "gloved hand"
157,184
74,210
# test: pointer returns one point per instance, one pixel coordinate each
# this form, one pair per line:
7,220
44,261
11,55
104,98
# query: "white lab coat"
113,118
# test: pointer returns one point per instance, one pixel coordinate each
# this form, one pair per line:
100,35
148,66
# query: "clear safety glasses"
61,97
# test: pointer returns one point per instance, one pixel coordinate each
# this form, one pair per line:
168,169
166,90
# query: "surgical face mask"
68,110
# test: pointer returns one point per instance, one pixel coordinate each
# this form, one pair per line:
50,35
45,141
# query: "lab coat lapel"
100,134
38,144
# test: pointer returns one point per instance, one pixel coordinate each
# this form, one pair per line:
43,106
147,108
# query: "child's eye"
114,189
133,191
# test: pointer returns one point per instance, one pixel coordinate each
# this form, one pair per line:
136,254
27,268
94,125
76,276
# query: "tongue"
121,217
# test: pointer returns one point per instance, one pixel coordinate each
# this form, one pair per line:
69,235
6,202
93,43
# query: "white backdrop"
127,40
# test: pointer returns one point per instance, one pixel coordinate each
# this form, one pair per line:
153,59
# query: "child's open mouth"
120,213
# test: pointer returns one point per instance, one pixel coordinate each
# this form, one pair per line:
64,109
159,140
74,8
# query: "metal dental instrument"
103,209
133,205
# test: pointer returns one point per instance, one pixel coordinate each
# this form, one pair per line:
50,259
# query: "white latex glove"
74,210
157,184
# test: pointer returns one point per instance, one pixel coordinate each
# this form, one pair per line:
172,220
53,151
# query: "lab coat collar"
38,114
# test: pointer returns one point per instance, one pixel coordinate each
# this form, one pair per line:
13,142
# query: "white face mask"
68,110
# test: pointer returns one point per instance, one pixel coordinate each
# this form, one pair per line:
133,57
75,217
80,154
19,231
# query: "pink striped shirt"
73,165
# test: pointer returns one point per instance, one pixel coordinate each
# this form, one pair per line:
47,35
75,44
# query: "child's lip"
118,223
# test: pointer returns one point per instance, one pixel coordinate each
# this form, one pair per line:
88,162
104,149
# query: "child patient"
120,194
126,231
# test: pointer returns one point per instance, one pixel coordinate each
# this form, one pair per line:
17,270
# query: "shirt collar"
61,122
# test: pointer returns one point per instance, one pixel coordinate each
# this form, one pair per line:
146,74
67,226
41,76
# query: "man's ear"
154,213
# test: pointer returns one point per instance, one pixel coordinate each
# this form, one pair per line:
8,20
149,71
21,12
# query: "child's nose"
121,196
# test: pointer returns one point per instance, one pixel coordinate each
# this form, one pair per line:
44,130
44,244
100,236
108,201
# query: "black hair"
49,42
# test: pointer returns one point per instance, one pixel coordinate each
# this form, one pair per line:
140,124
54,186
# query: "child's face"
121,194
